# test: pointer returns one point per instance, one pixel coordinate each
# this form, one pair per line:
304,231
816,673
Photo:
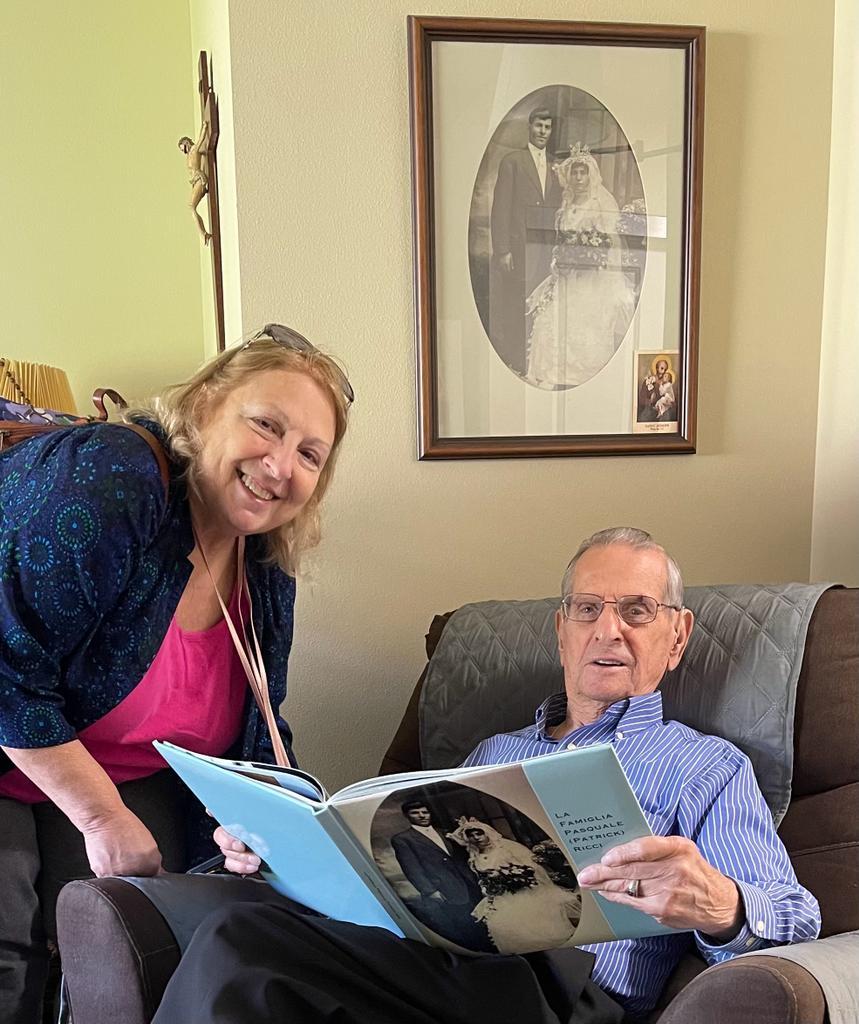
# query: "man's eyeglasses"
296,342
634,609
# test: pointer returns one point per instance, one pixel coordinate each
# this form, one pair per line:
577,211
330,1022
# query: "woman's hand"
120,844
237,857
117,842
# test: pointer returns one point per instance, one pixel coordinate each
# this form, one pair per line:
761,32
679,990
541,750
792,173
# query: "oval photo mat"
578,119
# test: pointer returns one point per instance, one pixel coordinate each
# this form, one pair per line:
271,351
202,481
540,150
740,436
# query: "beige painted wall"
98,262
835,535
322,165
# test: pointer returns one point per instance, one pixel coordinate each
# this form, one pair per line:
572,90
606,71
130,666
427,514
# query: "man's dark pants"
266,964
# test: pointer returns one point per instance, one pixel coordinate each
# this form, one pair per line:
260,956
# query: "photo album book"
481,859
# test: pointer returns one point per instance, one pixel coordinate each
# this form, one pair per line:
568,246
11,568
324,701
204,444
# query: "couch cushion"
827,699
821,834
738,678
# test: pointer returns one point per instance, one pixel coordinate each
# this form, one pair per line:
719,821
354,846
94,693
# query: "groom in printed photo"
438,868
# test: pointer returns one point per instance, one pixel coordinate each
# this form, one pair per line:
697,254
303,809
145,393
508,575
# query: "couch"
120,939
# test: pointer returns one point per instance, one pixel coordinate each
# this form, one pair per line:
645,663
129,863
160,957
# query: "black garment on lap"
262,963
40,850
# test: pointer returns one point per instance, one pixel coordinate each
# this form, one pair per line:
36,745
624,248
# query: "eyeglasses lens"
634,609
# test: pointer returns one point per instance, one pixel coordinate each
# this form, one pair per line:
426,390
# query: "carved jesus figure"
197,177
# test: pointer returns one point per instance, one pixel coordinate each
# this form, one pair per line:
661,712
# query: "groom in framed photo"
522,226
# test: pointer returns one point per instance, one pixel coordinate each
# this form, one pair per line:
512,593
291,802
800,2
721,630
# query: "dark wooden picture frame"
604,350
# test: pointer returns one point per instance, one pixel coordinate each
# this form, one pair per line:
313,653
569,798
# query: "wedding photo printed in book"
475,870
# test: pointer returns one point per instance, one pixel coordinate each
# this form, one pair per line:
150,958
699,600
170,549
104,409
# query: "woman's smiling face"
264,445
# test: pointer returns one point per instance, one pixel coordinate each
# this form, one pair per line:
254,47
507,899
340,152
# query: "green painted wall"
99,264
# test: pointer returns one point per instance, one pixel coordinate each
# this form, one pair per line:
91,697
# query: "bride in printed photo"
522,907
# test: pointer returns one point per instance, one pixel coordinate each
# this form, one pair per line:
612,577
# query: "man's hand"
237,857
505,261
676,885
120,844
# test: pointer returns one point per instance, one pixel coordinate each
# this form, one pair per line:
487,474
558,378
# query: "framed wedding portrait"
556,171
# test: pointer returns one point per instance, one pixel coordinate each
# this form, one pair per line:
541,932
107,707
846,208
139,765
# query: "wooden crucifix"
203,178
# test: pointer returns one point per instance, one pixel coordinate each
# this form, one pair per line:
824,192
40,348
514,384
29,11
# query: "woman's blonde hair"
178,409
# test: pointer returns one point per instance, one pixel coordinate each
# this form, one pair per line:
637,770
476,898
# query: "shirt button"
571,746
619,734
760,926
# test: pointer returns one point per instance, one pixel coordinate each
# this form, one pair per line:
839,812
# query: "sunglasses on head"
295,342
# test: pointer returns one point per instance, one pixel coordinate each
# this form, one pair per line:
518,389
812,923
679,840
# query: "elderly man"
714,866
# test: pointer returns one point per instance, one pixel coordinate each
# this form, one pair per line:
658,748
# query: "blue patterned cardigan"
93,561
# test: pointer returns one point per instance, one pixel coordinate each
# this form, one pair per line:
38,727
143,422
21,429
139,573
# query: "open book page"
384,783
487,858
294,779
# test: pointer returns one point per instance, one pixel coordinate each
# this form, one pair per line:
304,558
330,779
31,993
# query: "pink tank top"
193,694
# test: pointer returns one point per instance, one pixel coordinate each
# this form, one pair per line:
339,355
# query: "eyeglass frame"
295,342
603,602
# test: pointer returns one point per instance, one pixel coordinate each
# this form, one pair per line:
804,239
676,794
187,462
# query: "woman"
111,630
522,907
579,314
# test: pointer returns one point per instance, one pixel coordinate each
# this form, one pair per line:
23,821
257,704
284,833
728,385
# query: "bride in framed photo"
579,314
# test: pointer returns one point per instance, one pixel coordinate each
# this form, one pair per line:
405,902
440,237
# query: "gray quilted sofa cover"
497,660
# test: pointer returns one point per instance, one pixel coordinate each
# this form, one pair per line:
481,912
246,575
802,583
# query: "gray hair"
639,539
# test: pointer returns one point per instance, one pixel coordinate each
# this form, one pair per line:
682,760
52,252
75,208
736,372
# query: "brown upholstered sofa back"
821,827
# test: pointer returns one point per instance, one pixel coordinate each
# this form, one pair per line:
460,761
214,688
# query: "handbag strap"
12,431
250,658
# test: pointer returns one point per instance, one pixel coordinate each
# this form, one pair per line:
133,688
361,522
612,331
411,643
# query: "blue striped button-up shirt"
691,785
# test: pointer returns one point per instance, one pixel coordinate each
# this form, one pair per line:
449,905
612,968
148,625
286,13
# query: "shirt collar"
629,714
537,153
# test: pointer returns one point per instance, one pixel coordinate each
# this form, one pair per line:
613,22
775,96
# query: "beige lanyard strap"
251,658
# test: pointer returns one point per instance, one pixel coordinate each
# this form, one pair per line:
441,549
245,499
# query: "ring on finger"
632,887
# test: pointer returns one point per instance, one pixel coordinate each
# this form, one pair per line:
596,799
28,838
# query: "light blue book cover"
292,834
591,810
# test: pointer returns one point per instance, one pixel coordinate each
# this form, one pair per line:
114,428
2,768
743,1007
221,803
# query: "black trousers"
40,850
263,963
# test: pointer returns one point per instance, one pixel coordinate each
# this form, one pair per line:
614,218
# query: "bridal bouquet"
581,249
508,878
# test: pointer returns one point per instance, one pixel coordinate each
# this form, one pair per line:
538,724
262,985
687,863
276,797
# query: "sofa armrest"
750,990
121,939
